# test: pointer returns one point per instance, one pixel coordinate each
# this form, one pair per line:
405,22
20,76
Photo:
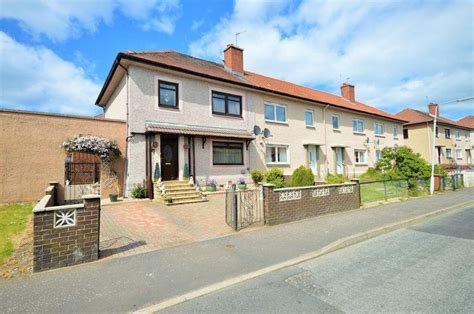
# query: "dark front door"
169,157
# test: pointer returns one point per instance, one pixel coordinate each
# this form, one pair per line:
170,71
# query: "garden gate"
82,176
243,208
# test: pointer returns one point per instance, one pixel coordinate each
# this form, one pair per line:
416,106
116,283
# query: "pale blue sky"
55,54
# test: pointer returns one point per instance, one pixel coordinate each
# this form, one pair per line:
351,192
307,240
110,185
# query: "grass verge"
13,220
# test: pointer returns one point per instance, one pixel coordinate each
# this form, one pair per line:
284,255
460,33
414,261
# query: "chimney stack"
234,59
433,109
348,92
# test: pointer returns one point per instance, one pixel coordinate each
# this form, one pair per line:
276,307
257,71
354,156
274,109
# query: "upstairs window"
378,129
458,153
226,104
275,113
335,121
378,154
358,126
447,133
457,135
395,132
405,133
437,132
309,118
227,153
276,155
167,94
449,154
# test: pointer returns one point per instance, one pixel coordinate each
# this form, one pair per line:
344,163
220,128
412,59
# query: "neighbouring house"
453,141
191,117
468,122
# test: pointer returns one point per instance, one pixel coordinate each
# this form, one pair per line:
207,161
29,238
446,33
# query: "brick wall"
57,246
30,153
291,204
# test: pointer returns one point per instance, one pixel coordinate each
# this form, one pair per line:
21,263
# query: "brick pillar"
357,181
75,241
267,200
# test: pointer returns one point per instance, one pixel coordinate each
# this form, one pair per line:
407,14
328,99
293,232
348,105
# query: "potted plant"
242,185
211,185
114,196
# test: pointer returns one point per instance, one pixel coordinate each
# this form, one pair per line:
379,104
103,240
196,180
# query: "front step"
177,192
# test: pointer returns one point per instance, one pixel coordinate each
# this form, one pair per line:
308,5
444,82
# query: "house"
453,140
468,122
192,117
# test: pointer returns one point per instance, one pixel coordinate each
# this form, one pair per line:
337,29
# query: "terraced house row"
191,117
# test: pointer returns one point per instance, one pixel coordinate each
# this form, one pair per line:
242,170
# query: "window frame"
458,150
355,156
395,132
457,135
363,126
176,106
274,105
226,104
335,115
378,152
375,129
312,118
227,143
450,153
277,147
405,134
446,135
437,132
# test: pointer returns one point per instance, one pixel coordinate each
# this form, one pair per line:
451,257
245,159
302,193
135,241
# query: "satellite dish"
256,130
266,133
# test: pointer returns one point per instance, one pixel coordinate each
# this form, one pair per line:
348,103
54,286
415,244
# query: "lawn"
371,192
13,220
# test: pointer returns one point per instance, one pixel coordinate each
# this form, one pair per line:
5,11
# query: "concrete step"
178,202
179,189
184,193
184,197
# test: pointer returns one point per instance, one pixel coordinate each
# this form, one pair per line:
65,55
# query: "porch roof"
185,129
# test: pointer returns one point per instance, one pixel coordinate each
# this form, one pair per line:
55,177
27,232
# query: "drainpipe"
326,166
127,123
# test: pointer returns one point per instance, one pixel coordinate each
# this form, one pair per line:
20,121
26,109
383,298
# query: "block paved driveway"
135,227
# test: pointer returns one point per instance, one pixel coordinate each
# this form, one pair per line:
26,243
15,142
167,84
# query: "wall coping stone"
53,182
91,197
43,208
314,186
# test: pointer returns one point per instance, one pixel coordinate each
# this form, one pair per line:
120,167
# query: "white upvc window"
395,132
358,126
378,129
277,155
378,154
458,153
360,156
449,154
275,112
335,122
457,135
309,118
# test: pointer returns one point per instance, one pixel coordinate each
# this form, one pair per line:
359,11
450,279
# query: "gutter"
122,55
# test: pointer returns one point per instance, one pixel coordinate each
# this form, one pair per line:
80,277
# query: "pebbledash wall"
30,153
291,204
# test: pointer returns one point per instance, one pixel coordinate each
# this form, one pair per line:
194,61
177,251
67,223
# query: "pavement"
128,228
426,268
138,281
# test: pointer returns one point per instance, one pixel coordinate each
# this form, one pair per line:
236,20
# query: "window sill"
361,164
396,138
170,108
278,164
358,133
336,130
382,136
276,122
310,127
217,115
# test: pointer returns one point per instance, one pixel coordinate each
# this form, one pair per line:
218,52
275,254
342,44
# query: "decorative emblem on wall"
65,218
320,192
290,195
346,189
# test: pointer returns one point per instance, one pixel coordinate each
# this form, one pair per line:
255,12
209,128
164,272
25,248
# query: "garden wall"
291,204
30,152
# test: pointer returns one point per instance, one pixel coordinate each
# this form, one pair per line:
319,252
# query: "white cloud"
35,78
60,20
396,53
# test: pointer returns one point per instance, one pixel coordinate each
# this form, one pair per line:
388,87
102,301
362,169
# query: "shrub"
138,191
257,176
371,175
211,182
302,176
336,178
440,170
275,177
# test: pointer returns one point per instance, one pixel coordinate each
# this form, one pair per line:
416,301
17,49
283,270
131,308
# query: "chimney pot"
348,92
234,59
432,109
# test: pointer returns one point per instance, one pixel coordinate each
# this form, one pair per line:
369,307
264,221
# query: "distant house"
453,139
468,122
188,116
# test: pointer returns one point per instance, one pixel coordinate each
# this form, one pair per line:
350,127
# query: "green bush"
336,178
275,177
257,176
440,170
371,175
138,191
302,176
